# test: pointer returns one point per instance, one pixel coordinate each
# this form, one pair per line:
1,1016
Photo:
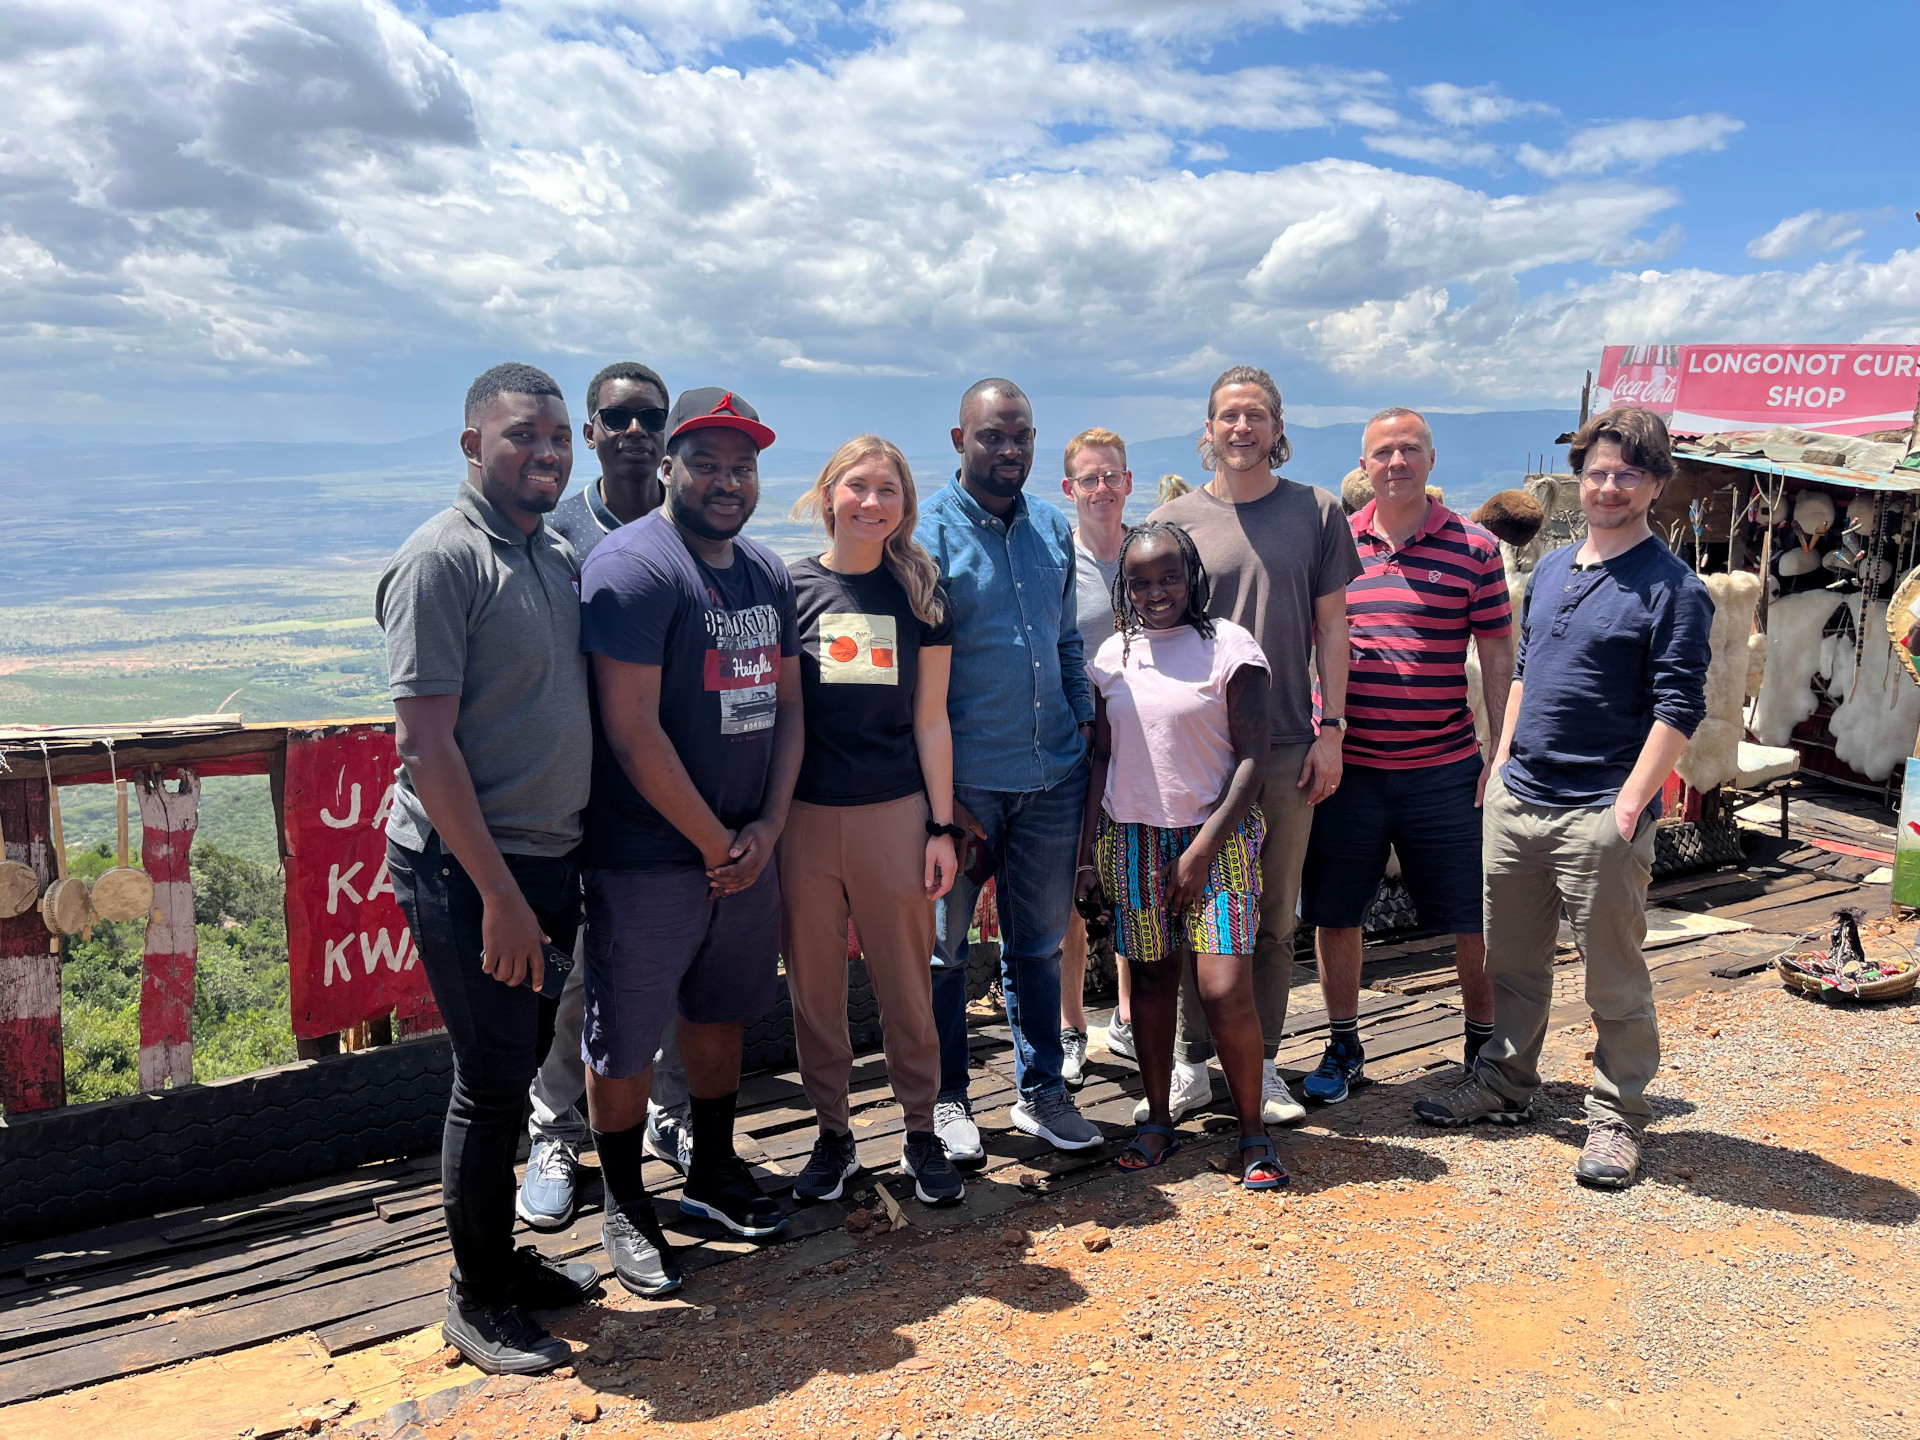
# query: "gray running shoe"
1120,1039
670,1138
935,1180
953,1123
831,1165
1073,1057
1057,1120
1470,1100
1611,1159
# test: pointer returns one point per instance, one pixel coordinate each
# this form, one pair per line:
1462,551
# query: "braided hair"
1126,620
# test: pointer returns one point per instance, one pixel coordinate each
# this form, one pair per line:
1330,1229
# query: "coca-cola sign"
1706,389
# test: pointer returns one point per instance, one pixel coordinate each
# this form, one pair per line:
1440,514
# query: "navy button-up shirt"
1019,691
1604,652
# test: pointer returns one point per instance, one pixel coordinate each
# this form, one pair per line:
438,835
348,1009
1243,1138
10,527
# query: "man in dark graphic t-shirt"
689,798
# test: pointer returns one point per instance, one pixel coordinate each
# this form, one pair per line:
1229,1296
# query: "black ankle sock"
623,1155
712,1125
1347,1030
1478,1033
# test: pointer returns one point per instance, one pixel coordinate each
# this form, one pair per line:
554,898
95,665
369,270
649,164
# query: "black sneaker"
1470,1100
502,1339
935,1180
542,1284
642,1259
726,1191
831,1165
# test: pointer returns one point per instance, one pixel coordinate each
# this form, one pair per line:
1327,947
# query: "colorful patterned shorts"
1136,864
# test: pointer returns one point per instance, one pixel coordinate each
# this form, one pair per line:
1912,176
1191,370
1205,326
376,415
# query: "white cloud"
1445,150
1470,108
327,194
1813,230
1632,142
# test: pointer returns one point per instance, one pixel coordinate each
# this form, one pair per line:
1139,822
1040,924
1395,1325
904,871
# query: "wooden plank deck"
361,1258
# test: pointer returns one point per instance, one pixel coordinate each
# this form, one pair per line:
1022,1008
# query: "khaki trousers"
1539,862
867,862
1289,823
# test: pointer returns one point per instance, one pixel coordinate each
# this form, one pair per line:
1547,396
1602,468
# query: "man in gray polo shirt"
481,609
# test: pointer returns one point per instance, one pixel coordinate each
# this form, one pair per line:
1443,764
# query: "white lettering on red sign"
353,815
338,884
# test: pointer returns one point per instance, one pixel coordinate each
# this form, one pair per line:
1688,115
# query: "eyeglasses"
1622,479
1112,479
616,419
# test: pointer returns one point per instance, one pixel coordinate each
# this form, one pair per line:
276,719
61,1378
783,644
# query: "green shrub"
241,996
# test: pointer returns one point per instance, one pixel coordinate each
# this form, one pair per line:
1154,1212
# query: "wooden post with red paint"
168,819
32,1062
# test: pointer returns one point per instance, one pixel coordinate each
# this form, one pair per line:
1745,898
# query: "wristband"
952,832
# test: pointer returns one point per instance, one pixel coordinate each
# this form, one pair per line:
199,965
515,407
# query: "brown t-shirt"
1269,560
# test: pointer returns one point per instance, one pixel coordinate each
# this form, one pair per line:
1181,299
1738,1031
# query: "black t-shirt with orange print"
860,648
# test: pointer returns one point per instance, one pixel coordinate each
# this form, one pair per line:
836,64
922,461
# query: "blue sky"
319,219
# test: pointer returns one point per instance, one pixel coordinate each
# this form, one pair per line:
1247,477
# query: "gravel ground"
1759,1281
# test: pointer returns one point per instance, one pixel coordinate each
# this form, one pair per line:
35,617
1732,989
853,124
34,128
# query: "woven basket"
1891,987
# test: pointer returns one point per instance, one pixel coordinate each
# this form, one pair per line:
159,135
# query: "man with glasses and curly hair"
1280,555
1608,685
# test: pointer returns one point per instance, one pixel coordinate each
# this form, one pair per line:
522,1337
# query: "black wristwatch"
952,832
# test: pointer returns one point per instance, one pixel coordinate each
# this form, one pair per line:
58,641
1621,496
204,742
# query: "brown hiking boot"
1611,1159
1470,1100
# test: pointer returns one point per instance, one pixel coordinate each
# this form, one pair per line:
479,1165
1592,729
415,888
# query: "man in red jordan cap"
689,797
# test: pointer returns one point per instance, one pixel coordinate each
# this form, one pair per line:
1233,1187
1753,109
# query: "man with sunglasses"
626,430
1098,483
1608,685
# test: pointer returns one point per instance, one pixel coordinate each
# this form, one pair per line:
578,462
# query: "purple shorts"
657,942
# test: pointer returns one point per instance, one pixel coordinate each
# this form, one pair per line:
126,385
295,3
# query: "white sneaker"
953,1123
1073,1056
1277,1105
1120,1040
1192,1090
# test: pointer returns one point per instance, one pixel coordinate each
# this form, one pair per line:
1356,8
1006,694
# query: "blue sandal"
1134,1147
1271,1158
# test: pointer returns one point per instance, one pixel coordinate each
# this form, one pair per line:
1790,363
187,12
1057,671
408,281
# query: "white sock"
1187,1076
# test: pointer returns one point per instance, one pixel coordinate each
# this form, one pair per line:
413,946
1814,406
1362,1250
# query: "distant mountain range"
87,518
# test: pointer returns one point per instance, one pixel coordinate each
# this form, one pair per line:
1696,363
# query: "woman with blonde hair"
870,835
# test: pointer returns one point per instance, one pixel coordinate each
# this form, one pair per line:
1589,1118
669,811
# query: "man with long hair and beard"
1280,555
689,798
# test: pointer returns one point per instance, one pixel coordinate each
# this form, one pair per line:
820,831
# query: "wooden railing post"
32,1061
168,820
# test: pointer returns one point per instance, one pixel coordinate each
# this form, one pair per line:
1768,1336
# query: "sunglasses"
616,419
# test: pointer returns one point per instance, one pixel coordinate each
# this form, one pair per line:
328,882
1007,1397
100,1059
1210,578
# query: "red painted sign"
352,955
1709,389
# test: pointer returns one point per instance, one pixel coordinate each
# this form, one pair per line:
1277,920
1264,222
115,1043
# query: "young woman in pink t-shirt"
1171,838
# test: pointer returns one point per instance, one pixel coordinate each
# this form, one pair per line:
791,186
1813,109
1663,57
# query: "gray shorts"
656,941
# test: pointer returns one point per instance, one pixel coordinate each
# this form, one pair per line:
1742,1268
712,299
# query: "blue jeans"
1036,837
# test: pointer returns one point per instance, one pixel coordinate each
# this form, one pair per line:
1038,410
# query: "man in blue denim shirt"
1021,709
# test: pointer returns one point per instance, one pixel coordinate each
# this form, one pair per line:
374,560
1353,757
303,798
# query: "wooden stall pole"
32,1061
168,820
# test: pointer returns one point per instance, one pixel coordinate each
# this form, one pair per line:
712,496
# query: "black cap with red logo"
710,406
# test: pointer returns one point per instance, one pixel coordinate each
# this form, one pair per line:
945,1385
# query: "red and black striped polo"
1410,614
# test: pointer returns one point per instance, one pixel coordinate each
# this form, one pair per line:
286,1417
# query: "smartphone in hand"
556,966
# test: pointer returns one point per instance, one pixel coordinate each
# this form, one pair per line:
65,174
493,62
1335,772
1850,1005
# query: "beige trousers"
1289,823
1538,863
867,862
